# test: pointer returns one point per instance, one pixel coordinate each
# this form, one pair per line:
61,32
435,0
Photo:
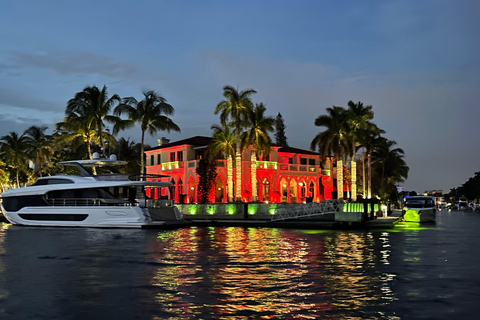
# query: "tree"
235,107
334,140
207,173
13,150
256,134
369,140
390,167
39,147
280,138
92,107
224,143
358,118
77,129
129,151
151,113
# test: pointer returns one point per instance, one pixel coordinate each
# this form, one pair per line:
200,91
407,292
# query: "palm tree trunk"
254,174
142,162
369,160
230,178
363,168
238,167
353,190
339,179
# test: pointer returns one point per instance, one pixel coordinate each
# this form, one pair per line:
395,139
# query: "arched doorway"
219,190
283,190
191,190
265,190
293,191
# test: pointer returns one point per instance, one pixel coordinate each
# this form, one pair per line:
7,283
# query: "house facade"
286,175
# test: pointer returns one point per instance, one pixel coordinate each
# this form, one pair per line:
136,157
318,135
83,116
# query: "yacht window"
41,182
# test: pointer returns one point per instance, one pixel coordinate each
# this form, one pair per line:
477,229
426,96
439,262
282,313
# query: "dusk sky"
416,62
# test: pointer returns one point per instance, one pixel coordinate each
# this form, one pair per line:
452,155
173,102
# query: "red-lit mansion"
286,175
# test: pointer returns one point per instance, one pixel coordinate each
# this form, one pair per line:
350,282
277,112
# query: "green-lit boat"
419,209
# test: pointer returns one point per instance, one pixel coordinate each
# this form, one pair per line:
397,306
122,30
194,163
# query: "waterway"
409,272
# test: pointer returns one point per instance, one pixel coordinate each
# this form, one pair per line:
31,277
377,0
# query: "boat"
463,203
419,209
92,193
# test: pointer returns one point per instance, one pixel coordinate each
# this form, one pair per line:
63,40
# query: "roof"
199,141
193,141
296,150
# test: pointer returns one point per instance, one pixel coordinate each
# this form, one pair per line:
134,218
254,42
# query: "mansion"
286,175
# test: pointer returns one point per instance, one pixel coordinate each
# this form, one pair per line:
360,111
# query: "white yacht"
96,195
419,209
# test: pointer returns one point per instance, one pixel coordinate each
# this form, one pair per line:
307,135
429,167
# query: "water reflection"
409,272
245,272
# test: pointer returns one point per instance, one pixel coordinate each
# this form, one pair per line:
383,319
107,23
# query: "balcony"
266,165
169,166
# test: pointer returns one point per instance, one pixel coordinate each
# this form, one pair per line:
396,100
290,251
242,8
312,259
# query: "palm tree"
129,151
369,140
390,165
40,147
151,113
77,129
358,118
234,107
258,126
224,143
93,106
335,139
13,150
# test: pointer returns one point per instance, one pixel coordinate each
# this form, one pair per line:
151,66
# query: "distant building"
287,175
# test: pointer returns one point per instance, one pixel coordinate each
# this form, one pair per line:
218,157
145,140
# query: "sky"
416,62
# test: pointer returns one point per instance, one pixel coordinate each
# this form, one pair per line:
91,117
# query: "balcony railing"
167,166
267,165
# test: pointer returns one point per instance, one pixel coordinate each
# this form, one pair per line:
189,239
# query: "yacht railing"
84,202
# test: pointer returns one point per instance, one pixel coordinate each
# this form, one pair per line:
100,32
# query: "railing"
167,166
286,211
266,165
83,202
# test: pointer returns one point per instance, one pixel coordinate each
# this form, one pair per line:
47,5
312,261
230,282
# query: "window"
290,160
159,158
179,155
311,162
198,155
172,156
152,160
303,161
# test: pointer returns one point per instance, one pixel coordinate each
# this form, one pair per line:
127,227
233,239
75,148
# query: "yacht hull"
92,217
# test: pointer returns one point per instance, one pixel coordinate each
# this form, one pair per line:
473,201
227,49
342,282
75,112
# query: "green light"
230,209
192,210
411,216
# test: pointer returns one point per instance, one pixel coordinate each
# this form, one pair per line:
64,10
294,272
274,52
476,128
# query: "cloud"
67,63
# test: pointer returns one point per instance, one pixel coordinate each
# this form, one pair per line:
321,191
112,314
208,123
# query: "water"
411,272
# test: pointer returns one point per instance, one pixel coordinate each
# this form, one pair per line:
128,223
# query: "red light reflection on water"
266,273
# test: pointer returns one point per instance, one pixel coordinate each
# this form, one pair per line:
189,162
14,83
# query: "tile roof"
193,141
204,141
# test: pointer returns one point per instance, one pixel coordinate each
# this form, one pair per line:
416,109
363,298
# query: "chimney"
163,141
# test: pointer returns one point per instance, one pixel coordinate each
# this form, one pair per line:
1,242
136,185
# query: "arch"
293,191
219,189
265,190
191,190
283,189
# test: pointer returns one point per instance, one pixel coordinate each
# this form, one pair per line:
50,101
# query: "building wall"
285,178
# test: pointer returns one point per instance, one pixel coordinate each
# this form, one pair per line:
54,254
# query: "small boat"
463,203
95,195
419,209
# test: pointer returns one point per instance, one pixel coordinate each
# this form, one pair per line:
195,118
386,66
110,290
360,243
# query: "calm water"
410,272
